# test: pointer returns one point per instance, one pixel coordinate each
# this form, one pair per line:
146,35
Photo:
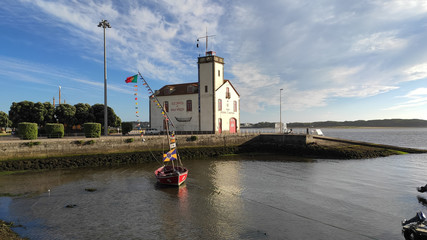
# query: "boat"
416,227
172,172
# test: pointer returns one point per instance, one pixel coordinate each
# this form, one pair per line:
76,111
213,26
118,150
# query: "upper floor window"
189,106
166,106
235,106
219,105
227,93
190,89
219,73
206,88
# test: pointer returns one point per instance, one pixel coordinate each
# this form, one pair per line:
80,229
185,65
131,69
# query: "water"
269,197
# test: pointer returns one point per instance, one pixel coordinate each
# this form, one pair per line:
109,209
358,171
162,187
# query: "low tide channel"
268,197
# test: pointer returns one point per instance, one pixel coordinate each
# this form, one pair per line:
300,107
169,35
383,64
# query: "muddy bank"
6,233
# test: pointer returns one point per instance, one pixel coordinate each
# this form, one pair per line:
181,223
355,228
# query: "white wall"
177,109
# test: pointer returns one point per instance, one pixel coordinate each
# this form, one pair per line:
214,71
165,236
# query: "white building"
211,105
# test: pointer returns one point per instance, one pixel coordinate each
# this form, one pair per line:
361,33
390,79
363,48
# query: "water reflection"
221,199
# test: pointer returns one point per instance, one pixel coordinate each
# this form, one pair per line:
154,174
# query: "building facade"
211,105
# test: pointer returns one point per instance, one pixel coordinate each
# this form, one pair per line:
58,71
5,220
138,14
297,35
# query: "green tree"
83,114
49,116
65,114
38,114
98,112
21,112
4,120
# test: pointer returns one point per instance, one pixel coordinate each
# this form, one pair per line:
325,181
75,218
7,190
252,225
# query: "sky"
336,60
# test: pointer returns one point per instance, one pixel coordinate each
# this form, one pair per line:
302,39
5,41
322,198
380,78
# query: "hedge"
54,130
126,127
27,131
92,130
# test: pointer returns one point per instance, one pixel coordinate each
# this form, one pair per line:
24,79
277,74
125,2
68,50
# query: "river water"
260,197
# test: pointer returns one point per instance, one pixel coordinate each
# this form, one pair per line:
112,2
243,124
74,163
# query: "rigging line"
298,215
163,109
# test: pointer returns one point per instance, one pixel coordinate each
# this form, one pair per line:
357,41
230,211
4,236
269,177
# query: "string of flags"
134,79
155,100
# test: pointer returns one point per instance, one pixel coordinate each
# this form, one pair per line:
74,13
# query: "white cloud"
416,98
416,72
381,41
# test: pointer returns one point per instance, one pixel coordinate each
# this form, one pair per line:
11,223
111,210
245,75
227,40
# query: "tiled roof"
178,89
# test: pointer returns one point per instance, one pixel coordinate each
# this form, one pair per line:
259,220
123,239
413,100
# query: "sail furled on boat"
170,156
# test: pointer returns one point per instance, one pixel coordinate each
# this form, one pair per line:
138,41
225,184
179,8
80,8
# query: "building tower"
211,77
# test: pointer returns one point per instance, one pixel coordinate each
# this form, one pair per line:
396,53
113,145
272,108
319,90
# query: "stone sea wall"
40,154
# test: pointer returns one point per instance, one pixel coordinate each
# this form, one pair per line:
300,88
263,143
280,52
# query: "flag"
171,155
132,79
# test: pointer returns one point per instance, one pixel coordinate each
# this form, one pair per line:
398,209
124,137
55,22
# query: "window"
206,88
190,89
219,105
227,93
219,73
235,106
166,106
189,106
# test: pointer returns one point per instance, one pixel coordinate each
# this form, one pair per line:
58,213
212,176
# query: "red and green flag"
132,79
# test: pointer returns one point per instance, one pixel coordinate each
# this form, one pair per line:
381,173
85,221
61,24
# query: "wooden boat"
169,175
172,172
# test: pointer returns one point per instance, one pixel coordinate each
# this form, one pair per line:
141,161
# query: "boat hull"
169,175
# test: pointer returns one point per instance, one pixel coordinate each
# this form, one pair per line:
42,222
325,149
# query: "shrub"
92,130
129,140
193,138
126,127
54,130
30,144
27,130
90,142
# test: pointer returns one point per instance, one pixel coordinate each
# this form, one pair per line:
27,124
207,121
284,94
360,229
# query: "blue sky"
335,59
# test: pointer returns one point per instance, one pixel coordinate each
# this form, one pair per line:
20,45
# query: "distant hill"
363,123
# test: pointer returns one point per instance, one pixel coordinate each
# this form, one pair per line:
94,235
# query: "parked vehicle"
151,131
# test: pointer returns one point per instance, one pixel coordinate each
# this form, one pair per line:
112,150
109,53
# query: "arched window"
227,93
166,106
189,106
219,105
234,106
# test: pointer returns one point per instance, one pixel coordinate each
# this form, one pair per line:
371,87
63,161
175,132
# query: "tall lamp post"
105,24
281,110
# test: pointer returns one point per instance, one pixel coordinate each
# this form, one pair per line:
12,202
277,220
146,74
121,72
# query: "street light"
105,24
281,110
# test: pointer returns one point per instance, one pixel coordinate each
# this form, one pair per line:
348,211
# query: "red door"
233,128
219,125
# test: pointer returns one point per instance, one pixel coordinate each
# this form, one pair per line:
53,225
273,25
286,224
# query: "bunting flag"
154,99
170,156
132,79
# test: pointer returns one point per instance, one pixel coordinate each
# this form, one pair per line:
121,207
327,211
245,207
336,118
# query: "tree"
49,116
21,112
4,120
38,114
83,114
65,114
98,112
